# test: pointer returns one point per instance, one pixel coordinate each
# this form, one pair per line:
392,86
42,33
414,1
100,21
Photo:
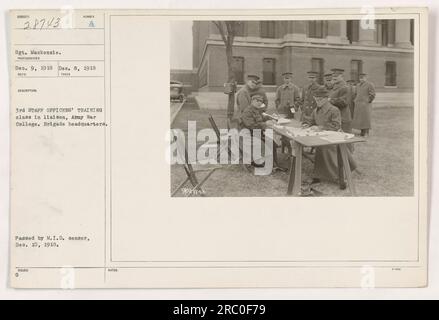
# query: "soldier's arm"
341,101
260,125
237,98
277,99
309,121
334,121
265,99
251,122
241,100
247,119
296,94
301,95
299,98
371,92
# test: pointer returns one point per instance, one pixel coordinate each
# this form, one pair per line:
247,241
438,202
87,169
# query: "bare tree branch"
229,25
230,31
220,27
227,30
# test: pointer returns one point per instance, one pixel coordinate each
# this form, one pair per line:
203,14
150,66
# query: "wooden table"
295,179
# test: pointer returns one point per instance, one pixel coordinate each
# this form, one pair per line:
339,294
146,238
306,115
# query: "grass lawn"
385,161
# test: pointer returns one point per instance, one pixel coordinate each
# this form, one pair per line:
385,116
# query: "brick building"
268,48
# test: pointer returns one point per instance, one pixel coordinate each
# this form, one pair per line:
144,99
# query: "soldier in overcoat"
326,117
339,97
287,96
365,94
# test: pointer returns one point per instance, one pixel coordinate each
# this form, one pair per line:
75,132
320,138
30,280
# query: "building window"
239,28
412,32
268,29
269,71
353,30
317,29
317,65
356,69
390,74
238,68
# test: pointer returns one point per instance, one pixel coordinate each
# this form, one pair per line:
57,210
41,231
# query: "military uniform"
261,91
351,97
365,94
328,86
252,118
328,76
286,97
309,104
339,97
327,117
243,97
243,100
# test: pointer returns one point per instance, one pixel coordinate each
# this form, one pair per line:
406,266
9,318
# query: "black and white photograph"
292,108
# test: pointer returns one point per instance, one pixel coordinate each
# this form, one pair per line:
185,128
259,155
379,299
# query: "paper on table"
334,136
283,121
301,132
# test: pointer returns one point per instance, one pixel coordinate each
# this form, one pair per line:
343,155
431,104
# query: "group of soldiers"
353,100
336,105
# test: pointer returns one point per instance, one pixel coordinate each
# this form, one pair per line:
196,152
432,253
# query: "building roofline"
283,44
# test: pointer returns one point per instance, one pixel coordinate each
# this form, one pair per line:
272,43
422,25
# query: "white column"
379,30
366,36
299,30
391,33
402,33
344,31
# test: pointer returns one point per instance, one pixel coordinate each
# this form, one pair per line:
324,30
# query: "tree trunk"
228,38
230,79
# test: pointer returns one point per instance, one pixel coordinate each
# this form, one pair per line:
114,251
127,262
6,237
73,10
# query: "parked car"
176,91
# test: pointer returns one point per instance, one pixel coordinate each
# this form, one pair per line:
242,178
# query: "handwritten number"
42,24
56,25
49,24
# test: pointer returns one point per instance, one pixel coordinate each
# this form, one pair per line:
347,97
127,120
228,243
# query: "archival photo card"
219,148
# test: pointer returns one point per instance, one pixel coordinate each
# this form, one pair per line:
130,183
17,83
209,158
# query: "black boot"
256,165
